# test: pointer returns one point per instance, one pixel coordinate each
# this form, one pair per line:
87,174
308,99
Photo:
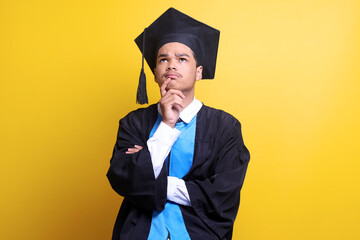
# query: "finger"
163,87
133,150
178,102
168,102
138,147
176,99
171,94
178,106
176,92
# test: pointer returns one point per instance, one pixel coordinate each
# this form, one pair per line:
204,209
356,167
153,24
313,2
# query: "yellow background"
288,70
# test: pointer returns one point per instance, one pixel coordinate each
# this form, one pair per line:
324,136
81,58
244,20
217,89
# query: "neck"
189,97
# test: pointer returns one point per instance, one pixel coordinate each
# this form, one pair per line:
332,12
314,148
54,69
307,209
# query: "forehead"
176,48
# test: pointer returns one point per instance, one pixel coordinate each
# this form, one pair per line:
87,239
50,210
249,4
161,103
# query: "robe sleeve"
215,198
132,175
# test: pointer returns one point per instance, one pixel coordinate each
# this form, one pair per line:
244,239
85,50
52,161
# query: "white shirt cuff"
177,191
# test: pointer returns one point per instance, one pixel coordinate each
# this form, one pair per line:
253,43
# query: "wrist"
169,123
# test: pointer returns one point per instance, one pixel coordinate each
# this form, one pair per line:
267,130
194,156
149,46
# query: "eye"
163,60
183,60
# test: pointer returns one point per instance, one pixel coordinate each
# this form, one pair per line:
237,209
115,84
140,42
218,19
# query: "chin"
168,88
171,85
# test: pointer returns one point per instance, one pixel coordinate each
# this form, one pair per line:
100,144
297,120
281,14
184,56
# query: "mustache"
171,73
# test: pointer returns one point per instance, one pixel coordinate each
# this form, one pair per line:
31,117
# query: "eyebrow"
182,55
163,55
177,55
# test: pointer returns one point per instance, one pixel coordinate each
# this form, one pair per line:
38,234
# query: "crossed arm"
176,188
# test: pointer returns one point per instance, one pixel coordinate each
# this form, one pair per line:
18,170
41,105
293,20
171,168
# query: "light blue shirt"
170,220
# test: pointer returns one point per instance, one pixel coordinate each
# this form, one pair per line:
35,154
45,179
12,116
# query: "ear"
155,75
199,73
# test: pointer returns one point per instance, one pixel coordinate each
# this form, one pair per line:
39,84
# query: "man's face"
177,62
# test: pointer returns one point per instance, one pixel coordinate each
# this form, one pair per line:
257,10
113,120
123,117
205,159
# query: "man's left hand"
133,150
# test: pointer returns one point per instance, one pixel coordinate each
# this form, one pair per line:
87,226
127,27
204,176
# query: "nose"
171,66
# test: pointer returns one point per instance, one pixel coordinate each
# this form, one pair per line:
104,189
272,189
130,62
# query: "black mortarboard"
174,26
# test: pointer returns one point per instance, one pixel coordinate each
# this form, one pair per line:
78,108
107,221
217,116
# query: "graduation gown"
213,182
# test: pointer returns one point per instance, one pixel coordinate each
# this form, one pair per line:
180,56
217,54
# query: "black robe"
213,182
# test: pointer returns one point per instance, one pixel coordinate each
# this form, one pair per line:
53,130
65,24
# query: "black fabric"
213,182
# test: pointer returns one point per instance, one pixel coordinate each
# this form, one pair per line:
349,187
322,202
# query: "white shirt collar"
189,112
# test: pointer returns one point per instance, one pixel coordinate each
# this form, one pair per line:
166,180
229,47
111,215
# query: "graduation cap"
175,26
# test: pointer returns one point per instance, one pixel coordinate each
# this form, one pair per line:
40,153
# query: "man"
179,164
